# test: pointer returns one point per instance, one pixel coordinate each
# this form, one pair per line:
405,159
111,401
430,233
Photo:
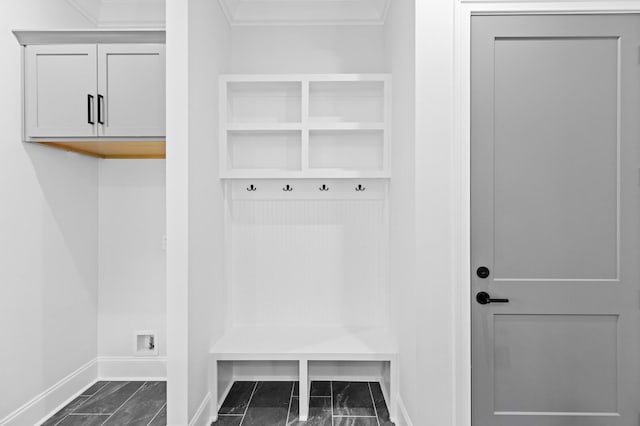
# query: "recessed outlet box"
145,343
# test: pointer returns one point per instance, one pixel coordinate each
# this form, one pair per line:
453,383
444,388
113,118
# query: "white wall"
309,262
315,49
132,277
48,229
400,27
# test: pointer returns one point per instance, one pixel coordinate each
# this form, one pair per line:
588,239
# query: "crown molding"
90,36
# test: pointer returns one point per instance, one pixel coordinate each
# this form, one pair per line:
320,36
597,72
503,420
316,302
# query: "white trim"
554,413
132,368
224,396
57,396
91,36
177,215
404,419
200,417
461,164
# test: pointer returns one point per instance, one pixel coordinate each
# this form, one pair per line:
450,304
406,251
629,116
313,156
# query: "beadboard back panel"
308,256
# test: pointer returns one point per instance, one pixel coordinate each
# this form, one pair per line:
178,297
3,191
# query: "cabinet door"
131,90
60,91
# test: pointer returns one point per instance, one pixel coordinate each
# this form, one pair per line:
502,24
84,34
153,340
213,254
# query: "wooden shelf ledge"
114,149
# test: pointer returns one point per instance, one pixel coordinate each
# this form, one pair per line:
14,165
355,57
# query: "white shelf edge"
262,127
294,78
329,174
310,197
313,126
318,125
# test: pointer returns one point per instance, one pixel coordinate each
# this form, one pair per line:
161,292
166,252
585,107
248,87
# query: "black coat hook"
324,187
287,188
360,188
251,188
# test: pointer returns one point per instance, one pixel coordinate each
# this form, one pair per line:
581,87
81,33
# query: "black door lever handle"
484,298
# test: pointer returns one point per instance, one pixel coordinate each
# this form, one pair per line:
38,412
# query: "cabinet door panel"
131,82
60,90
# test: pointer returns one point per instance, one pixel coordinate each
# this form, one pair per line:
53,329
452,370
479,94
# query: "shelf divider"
305,123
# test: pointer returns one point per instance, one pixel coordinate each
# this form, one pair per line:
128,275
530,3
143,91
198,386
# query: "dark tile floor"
330,404
115,404
248,404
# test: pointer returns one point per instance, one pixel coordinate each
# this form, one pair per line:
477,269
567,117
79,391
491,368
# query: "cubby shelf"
305,345
305,126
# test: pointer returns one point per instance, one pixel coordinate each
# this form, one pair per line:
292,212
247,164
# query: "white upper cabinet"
61,91
131,90
95,90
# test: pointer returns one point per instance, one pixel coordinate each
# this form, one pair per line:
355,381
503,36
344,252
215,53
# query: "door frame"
464,10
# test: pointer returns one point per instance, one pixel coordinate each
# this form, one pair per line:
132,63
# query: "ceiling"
122,13
151,13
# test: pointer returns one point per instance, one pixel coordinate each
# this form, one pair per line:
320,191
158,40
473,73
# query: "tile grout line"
121,405
356,417
248,403
83,402
293,387
97,390
331,392
154,417
373,401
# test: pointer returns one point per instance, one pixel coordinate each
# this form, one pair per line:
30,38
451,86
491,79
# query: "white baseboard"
403,415
54,398
132,368
222,397
203,414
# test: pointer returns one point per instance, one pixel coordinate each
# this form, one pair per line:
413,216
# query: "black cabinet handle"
90,110
100,106
484,298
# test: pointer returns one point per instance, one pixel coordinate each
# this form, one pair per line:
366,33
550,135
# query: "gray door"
555,220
